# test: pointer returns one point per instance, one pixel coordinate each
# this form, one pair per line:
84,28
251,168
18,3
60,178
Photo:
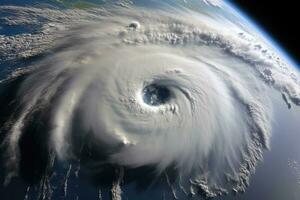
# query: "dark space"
280,19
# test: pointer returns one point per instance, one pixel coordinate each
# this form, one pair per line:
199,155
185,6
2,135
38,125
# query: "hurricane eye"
155,95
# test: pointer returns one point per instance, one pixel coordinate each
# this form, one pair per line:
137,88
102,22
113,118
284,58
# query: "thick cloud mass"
206,112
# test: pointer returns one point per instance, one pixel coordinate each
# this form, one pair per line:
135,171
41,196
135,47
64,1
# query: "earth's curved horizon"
145,99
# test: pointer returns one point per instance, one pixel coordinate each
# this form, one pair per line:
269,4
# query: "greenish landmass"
79,4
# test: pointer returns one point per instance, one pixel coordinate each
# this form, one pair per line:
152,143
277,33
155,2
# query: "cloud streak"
90,90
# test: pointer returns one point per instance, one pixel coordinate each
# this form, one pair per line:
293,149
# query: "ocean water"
274,178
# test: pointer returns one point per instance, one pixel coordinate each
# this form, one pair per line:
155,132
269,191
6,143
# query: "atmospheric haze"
144,87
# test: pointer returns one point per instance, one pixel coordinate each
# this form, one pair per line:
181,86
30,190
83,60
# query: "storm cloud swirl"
134,88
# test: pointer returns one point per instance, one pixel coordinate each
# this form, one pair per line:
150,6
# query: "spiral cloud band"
141,87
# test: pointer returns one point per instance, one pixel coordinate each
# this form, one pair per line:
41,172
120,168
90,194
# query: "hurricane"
141,88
